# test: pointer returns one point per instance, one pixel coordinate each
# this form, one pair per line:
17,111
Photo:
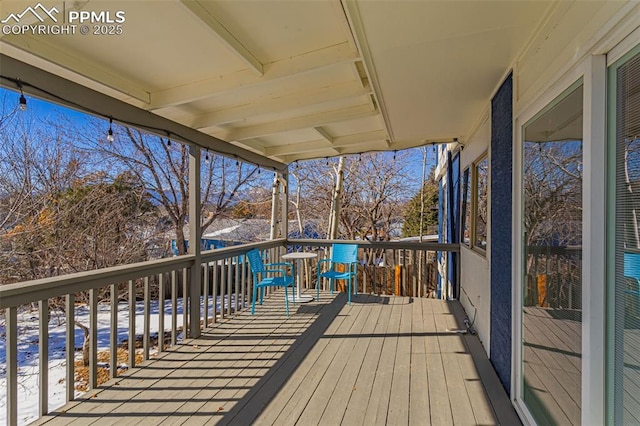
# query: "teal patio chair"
278,278
632,273
341,254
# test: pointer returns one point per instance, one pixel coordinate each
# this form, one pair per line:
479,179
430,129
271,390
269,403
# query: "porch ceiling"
296,79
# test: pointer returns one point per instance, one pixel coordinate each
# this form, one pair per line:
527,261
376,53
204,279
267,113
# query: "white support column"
195,283
334,220
284,224
275,199
594,242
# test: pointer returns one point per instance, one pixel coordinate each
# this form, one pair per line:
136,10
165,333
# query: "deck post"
284,224
195,231
275,198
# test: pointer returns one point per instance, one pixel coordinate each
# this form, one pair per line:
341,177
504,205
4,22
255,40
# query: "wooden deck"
553,364
380,360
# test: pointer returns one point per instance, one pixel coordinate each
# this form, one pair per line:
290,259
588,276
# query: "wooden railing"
388,267
553,278
225,277
402,268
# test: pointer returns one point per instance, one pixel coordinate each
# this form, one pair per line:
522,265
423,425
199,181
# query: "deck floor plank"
380,360
339,401
419,383
319,401
378,405
401,382
361,391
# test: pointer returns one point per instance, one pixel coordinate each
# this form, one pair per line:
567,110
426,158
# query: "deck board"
380,360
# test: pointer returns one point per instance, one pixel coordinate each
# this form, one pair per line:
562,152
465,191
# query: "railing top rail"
32,291
398,245
227,252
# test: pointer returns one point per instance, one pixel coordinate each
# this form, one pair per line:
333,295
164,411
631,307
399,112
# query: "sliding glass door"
552,261
624,241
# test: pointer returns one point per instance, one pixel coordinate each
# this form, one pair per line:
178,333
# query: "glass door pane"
552,282
625,137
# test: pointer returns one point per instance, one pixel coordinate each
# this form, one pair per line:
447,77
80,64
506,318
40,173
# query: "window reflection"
552,293
481,212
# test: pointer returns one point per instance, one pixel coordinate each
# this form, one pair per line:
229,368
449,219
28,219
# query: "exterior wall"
565,49
501,242
475,290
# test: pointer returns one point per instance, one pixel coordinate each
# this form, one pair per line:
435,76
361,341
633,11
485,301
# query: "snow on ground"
28,356
221,231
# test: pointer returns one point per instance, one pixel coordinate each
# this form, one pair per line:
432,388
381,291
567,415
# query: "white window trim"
523,117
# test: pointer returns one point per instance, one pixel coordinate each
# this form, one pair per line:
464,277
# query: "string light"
359,157
327,159
206,157
394,155
110,131
22,102
22,105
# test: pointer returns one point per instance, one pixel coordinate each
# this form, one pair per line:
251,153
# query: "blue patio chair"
632,271
341,254
278,278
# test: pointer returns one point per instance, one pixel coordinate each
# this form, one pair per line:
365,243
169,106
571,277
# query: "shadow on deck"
380,360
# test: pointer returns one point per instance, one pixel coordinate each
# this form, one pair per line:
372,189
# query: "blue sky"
46,111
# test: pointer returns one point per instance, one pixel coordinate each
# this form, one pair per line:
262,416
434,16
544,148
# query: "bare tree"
163,169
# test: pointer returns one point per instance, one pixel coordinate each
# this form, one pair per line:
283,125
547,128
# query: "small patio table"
299,257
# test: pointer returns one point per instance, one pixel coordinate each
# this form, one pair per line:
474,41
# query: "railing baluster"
223,283
43,308
229,289
161,291
185,303
93,338
132,324
70,347
205,283
113,335
237,283
174,307
214,291
11,322
243,279
147,319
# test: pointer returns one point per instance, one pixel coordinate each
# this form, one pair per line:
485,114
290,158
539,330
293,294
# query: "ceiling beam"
315,120
65,92
336,143
26,45
224,36
324,134
274,71
356,25
280,104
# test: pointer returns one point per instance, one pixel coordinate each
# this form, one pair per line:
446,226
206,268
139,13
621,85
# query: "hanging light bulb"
259,169
206,157
22,103
327,158
110,132
359,158
168,139
394,155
